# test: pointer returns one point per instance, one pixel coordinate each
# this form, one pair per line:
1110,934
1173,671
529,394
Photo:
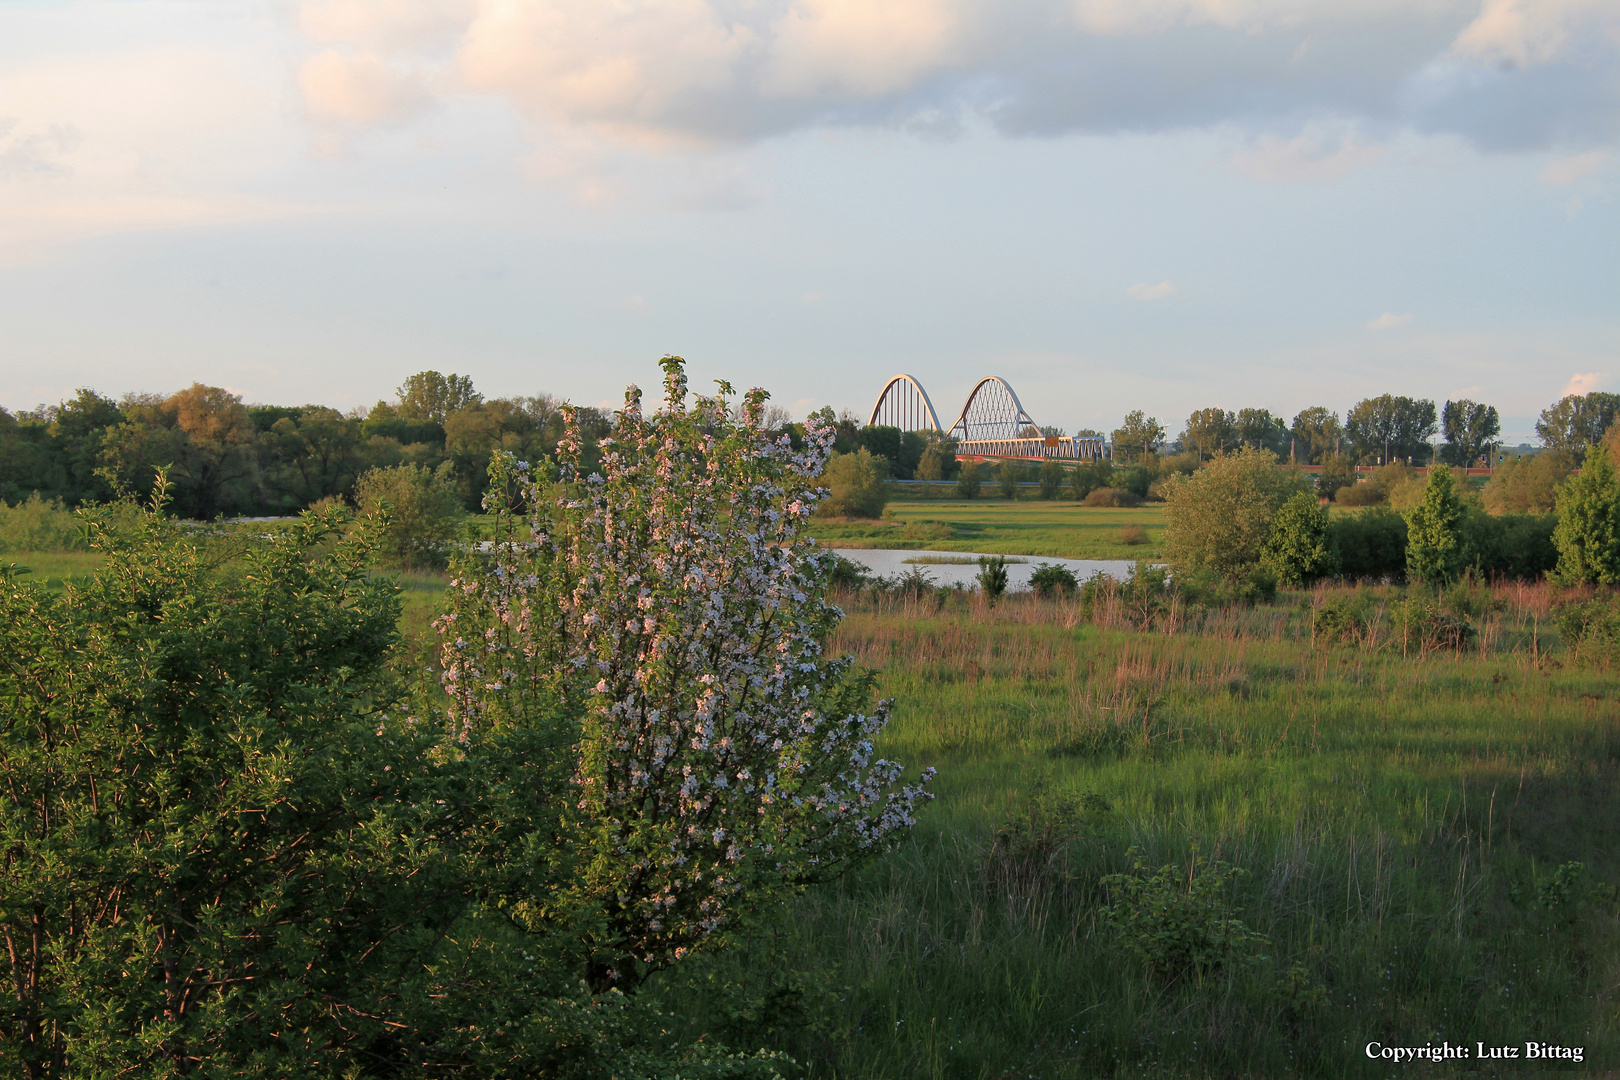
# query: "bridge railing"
1060,447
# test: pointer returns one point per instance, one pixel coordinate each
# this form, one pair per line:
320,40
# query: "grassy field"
1004,527
53,567
1405,827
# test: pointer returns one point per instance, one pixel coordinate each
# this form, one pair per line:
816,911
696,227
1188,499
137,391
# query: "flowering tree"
664,618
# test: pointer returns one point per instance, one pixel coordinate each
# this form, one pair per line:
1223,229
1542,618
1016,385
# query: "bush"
38,524
938,461
1051,479
1180,919
1084,479
1371,543
1132,535
1358,495
967,480
1009,474
992,577
1337,472
1144,598
1526,485
857,485
1299,549
1340,619
1219,519
1107,496
1591,629
1136,479
1588,530
1435,554
1050,580
423,513
1510,546
1423,626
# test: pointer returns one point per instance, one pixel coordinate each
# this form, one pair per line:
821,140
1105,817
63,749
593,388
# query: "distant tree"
1210,431
1263,431
1577,421
1051,431
967,480
1527,485
1387,428
309,454
903,450
427,395
1137,437
1435,553
1051,479
1337,472
1299,547
424,513
992,577
1588,532
1010,474
858,485
1219,518
1468,428
78,428
882,440
1316,433
1086,478
938,461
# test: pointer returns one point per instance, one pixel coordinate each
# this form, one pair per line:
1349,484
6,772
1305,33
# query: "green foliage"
428,395
1435,553
1424,625
1588,532
1142,600
1107,496
1219,519
1577,421
1051,479
1316,433
39,524
1088,477
938,460
1527,485
1210,431
1469,429
420,513
1371,543
1136,479
1509,546
992,577
967,480
1389,429
1137,437
1050,580
857,485
1590,629
1009,474
1299,549
1338,472
1341,619
1181,919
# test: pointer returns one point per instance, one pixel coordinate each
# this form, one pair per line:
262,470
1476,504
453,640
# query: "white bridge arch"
992,423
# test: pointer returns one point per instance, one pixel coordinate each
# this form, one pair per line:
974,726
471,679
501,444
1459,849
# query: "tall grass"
1404,824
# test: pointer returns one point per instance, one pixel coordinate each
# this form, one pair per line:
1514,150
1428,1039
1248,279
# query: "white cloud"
1144,291
1582,384
1389,321
1572,169
361,90
1524,33
859,47
635,305
1309,157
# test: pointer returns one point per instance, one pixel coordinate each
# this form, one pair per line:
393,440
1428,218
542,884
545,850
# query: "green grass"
1003,527
1400,820
52,568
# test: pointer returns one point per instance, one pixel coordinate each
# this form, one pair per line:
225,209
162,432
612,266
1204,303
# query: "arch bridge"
992,423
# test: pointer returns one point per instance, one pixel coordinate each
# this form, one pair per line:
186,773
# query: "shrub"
992,577
938,461
857,486
1371,543
1588,531
1299,549
1219,519
967,480
1144,598
663,632
1133,534
1180,919
1590,629
1051,479
1526,485
1340,619
1360,494
1050,580
1337,472
1009,474
1423,625
423,513
1107,496
1509,546
1136,479
39,524
1435,554
1084,479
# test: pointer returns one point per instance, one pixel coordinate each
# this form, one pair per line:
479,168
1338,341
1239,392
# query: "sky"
1112,204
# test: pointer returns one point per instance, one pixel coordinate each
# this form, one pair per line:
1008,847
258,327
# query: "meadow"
1190,842
1420,846
998,526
